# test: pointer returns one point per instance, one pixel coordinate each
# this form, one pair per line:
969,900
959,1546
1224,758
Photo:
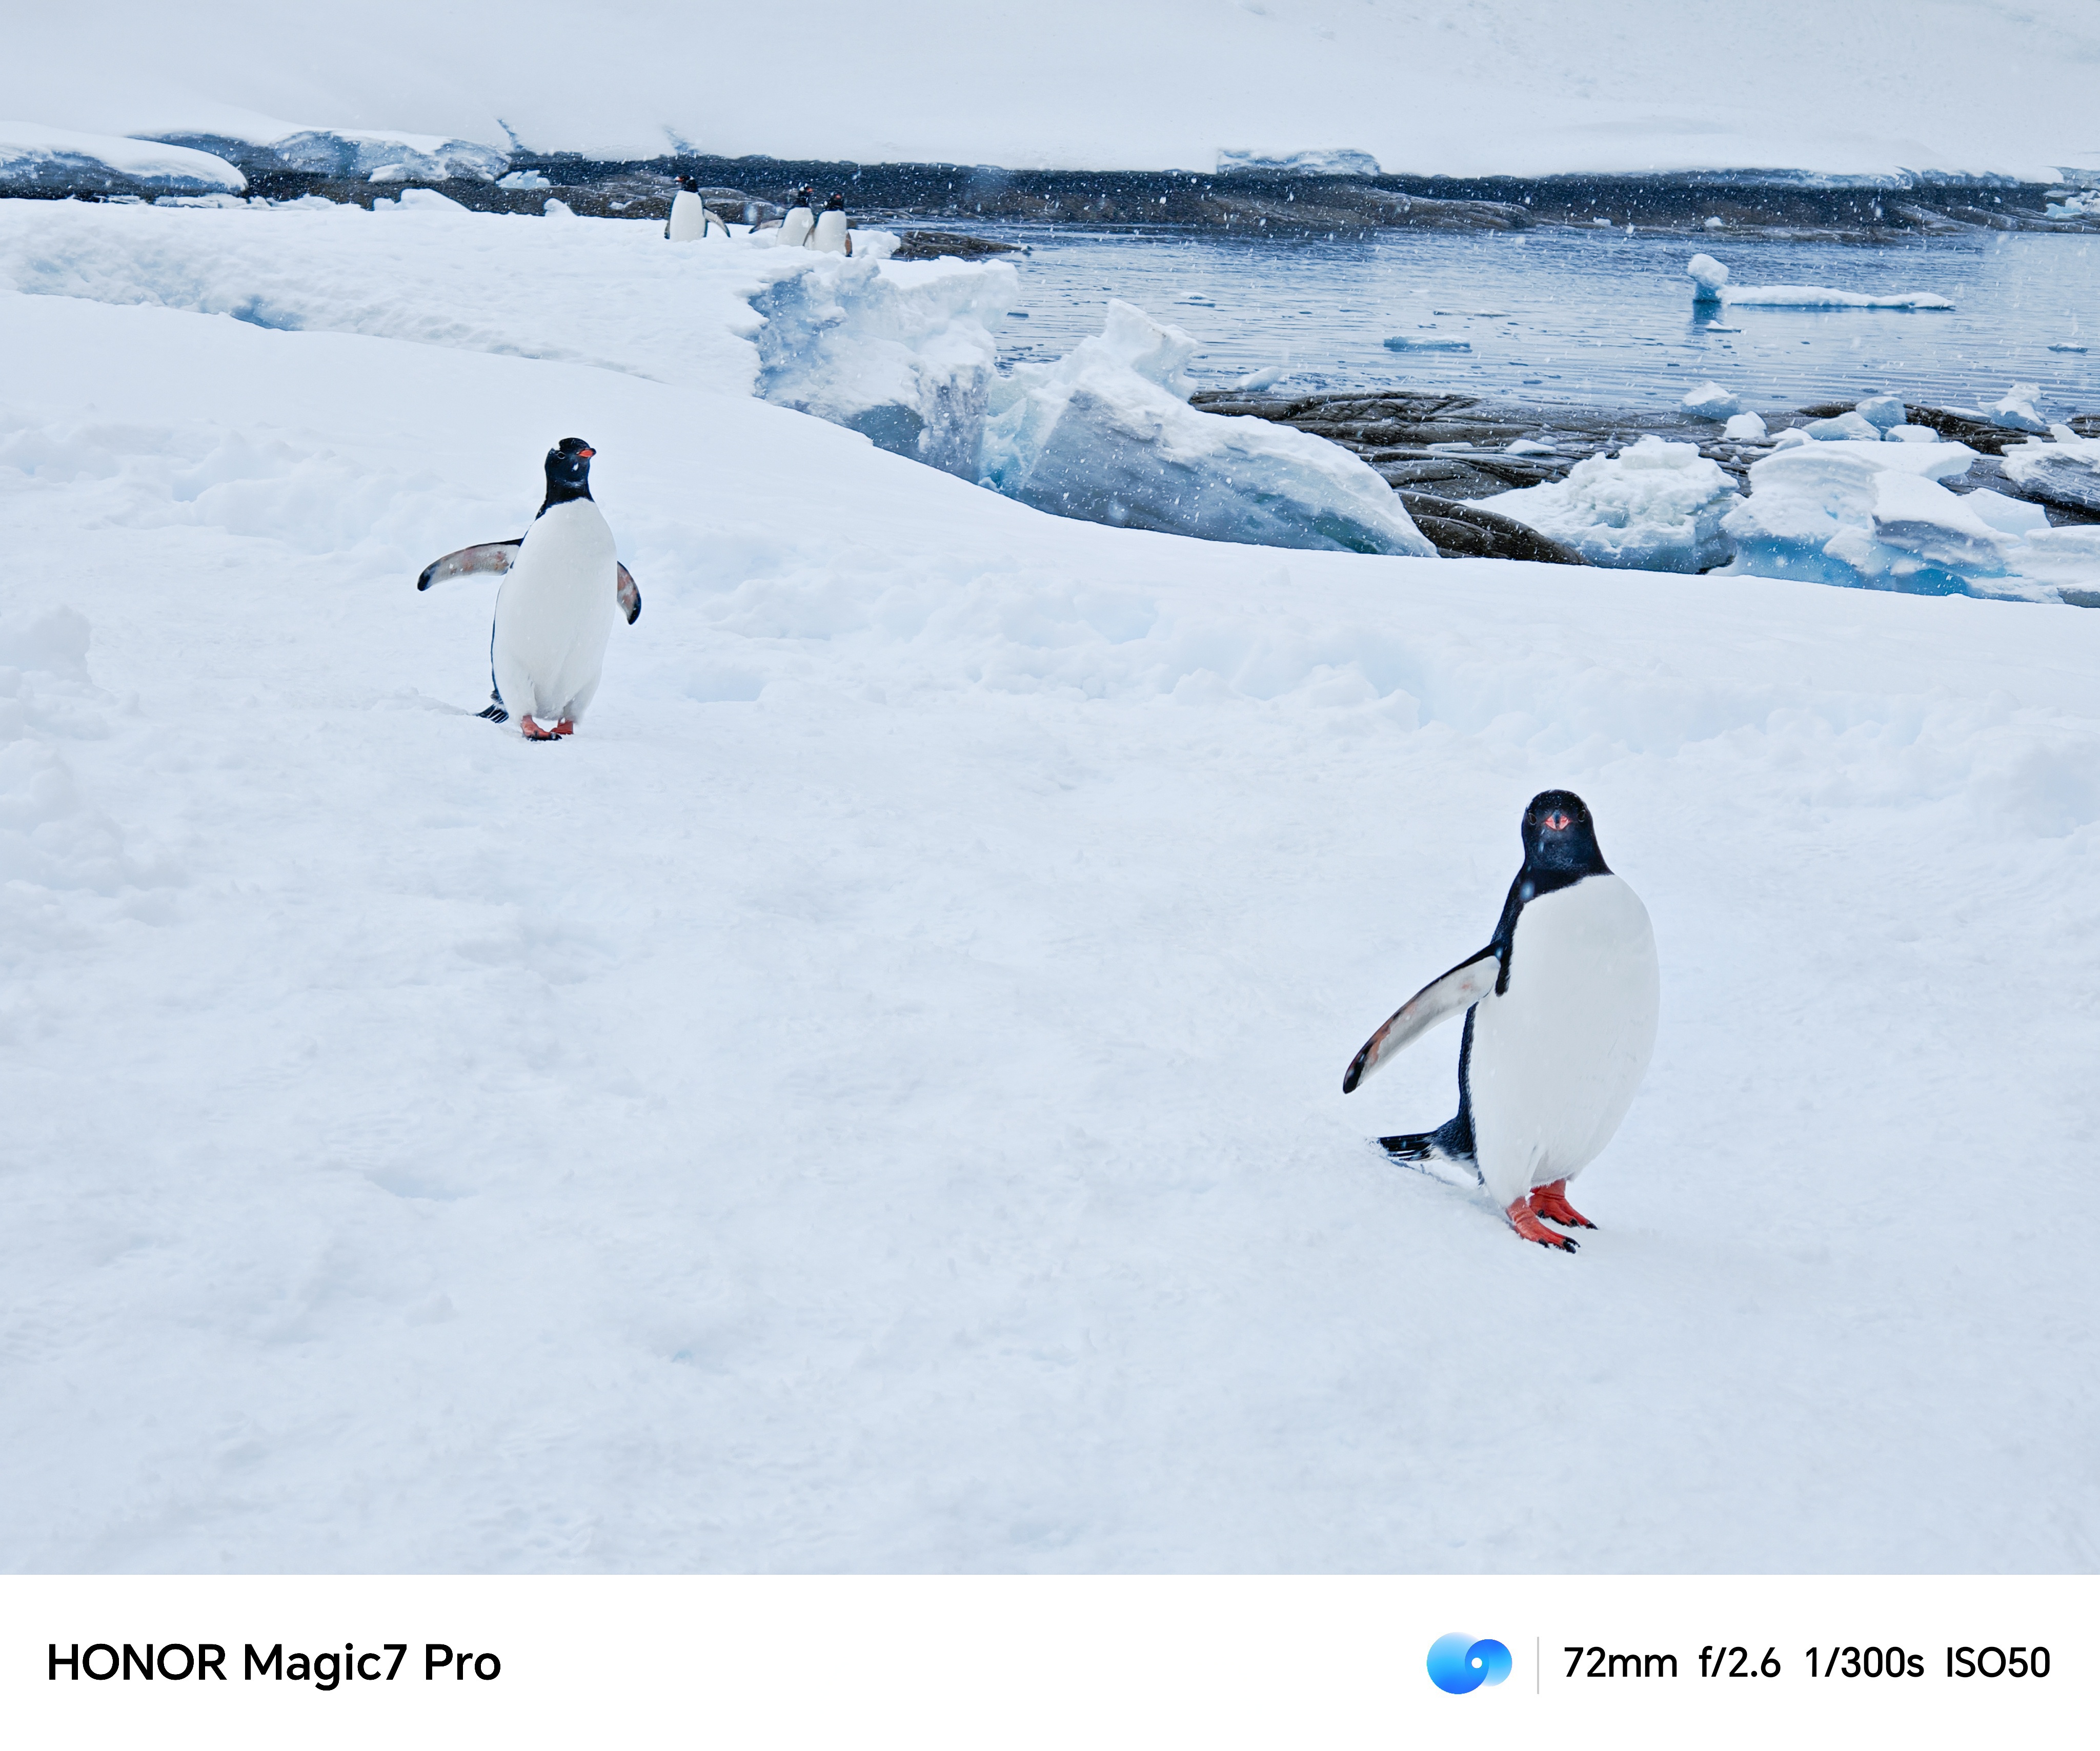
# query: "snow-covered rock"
1107,434
1656,505
1710,401
32,156
2015,410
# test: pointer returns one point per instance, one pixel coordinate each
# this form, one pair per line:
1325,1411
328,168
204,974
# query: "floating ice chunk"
1910,434
1710,401
1428,343
1884,411
2016,410
1845,426
1708,277
1745,428
1655,506
1711,286
1106,434
1264,378
2067,346
32,156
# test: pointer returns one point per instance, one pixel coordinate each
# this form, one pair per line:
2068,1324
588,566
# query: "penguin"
561,581
794,229
831,233
1561,1015
690,218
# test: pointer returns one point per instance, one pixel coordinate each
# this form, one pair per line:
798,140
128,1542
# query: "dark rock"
1466,531
929,246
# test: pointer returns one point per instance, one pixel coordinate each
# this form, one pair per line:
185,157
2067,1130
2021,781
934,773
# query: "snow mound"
1106,434
1711,285
1327,161
356,155
1710,401
1656,506
1875,516
901,352
1745,428
35,156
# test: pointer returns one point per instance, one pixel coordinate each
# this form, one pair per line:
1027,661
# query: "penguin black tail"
1452,1141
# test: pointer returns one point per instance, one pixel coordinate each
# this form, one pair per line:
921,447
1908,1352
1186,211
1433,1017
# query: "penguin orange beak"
1557,823
586,454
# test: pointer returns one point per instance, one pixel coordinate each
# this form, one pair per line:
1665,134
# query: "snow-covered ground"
1521,87
872,1100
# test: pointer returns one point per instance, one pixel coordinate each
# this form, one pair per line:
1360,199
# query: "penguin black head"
1560,837
837,203
690,184
568,472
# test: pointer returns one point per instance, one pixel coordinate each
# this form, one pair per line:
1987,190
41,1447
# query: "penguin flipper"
630,597
1461,988
490,556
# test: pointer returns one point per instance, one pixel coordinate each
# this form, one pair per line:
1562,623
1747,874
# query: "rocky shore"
1439,452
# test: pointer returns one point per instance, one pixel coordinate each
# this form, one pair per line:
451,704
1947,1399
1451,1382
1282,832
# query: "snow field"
872,1101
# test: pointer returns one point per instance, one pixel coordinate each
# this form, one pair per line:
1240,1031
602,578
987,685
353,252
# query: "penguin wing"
1461,988
630,597
490,556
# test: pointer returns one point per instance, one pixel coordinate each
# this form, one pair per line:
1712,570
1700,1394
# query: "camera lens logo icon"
1458,1664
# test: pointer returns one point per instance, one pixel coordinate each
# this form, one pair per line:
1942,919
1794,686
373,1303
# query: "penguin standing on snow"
563,582
831,233
794,229
690,218
1560,1021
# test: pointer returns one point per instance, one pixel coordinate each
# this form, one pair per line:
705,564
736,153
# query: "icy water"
1600,318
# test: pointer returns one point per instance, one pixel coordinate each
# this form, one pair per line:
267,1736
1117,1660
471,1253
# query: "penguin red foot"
1529,1227
1552,1202
533,732
565,727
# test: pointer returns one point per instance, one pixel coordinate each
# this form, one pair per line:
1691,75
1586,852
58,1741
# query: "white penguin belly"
1557,1057
689,217
831,232
554,614
794,229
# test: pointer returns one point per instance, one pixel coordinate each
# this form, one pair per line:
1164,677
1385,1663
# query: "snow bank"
32,156
1656,506
1874,515
1088,855
1106,434
1711,285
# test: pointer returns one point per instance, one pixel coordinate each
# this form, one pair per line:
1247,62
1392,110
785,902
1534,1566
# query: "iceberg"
35,156
1333,160
901,352
1106,434
1710,285
1656,506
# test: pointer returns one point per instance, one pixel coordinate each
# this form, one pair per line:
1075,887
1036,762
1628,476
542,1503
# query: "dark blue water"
1596,317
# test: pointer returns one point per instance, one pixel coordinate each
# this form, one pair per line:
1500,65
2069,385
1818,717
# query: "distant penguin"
831,233
690,218
1560,1021
563,581
794,229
